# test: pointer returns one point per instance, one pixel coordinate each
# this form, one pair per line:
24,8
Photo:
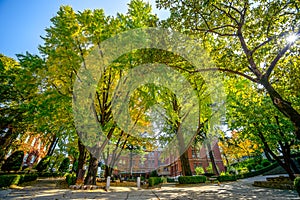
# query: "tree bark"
268,155
185,164
92,171
283,106
52,145
286,164
81,160
212,159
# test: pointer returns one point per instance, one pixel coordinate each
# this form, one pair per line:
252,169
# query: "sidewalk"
241,189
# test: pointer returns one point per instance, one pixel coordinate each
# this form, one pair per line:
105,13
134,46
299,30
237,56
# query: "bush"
265,163
49,174
223,178
13,162
199,170
164,180
154,174
64,166
43,164
297,184
258,172
258,167
15,179
170,180
191,179
71,179
155,181
250,167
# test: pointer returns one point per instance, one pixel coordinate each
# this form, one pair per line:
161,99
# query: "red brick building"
198,158
170,166
34,148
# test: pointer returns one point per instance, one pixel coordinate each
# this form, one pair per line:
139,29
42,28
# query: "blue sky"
22,22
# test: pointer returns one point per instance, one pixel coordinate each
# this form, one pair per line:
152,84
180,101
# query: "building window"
27,139
25,157
33,142
32,159
194,153
40,144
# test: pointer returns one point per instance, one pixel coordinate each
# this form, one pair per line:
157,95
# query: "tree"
261,123
13,162
243,39
67,43
64,166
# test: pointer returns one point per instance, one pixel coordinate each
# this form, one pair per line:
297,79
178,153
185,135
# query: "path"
242,189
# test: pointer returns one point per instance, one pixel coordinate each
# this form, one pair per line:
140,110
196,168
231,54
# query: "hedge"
71,179
15,179
155,181
49,174
171,180
191,179
223,178
297,184
258,172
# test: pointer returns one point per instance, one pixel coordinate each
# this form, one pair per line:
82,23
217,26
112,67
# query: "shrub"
71,179
191,179
154,174
49,174
15,179
171,180
265,163
154,181
258,167
13,162
297,184
64,166
199,170
223,178
164,180
258,172
250,167
43,164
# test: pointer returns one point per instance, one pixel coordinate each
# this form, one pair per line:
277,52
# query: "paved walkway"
241,189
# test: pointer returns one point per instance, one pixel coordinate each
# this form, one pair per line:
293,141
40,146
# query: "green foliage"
258,167
164,180
64,166
199,170
15,179
191,179
170,180
154,174
223,178
49,174
209,168
258,172
297,184
43,164
265,163
155,181
71,178
13,162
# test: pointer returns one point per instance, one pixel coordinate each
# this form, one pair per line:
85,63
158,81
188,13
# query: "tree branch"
278,57
227,70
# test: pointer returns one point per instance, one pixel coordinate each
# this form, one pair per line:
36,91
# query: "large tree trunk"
185,164
283,106
52,146
184,157
81,160
212,159
92,171
286,164
268,155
